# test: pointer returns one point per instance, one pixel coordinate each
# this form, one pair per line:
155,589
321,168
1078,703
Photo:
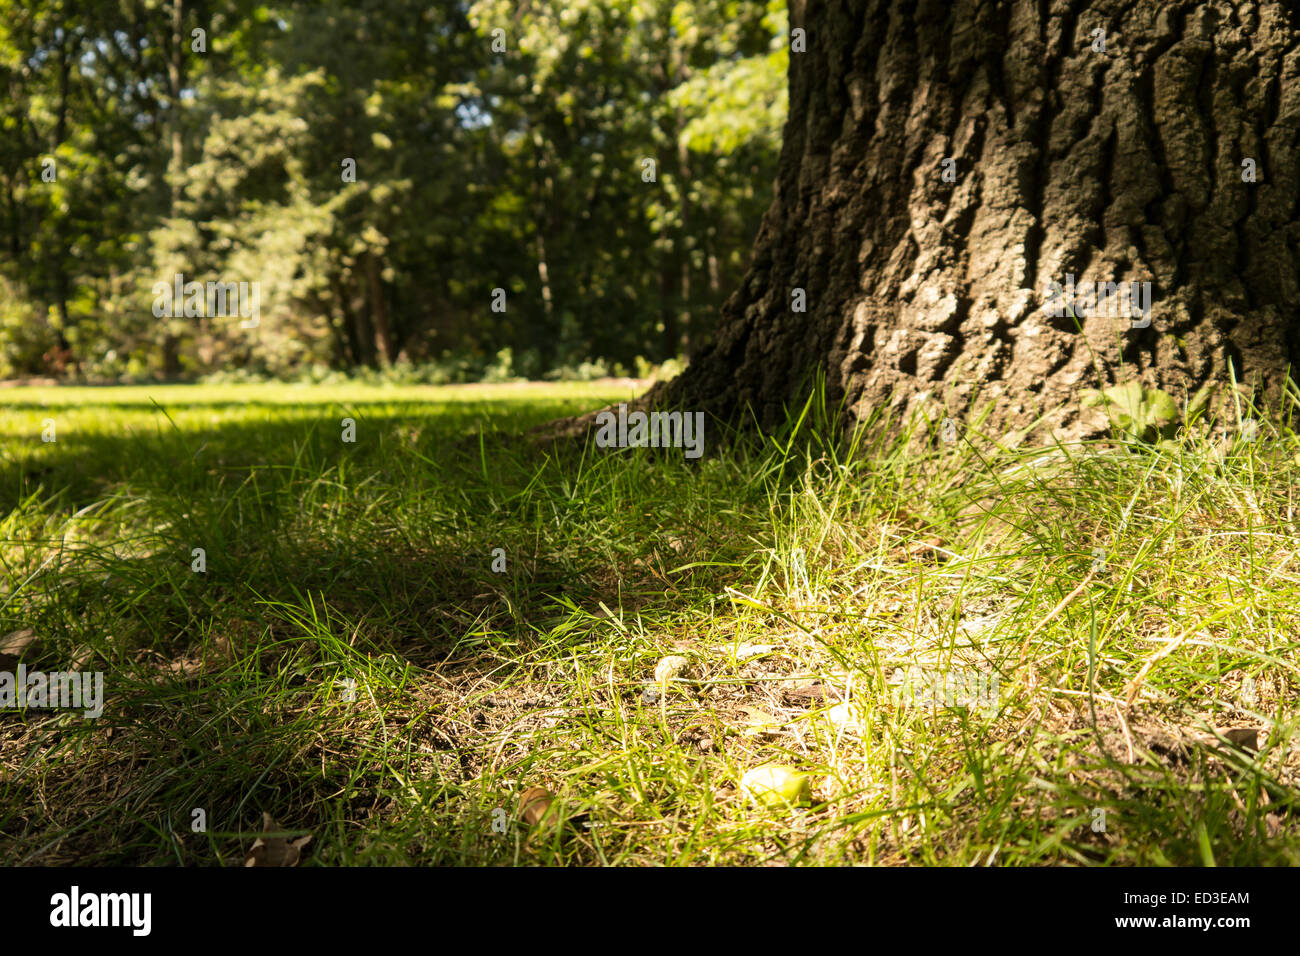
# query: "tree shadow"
306,561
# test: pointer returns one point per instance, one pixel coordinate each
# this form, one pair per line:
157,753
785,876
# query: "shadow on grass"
323,559
146,449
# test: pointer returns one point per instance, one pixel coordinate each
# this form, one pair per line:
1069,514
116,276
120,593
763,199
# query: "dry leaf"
670,667
12,646
1244,738
15,642
760,721
846,717
805,695
546,814
276,850
196,664
535,804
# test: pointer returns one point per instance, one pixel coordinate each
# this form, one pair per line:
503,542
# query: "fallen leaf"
776,785
12,646
846,717
1244,738
275,850
805,695
670,667
535,804
760,721
545,814
199,662
82,657
15,642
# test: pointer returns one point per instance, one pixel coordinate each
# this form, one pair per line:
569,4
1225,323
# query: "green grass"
794,573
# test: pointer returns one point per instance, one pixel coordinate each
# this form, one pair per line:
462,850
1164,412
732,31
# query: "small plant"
1145,415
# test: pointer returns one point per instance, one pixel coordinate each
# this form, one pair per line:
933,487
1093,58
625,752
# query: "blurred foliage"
497,144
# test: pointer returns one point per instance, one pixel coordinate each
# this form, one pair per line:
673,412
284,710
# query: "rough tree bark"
1123,165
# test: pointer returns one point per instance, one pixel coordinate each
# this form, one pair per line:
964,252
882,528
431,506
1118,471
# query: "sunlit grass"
796,574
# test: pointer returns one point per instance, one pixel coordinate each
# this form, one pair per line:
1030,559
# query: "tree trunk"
60,257
1069,161
171,342
543,220
385,348
176,82
355,350
683,342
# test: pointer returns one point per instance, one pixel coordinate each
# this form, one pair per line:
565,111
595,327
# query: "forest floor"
976,654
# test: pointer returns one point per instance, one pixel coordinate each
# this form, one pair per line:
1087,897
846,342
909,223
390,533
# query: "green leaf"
1200,401
1127,397
1161,407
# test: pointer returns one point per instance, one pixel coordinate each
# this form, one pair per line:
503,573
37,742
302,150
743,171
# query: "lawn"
977,653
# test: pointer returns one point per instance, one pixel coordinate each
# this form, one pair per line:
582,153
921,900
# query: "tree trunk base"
948,166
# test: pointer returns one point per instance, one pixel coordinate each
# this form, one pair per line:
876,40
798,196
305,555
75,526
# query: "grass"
350,663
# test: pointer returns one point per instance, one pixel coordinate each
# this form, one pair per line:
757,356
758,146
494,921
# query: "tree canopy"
381,169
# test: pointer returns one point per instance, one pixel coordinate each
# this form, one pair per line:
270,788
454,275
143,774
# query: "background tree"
494,145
